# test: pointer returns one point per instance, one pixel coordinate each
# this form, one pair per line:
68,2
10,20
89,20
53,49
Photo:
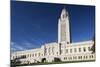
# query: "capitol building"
63,50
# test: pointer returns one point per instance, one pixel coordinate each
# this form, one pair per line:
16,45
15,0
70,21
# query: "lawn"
46,63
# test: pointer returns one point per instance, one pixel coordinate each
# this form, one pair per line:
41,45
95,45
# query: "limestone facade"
63,49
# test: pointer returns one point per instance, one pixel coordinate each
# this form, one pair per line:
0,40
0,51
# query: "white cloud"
28,45
21,46
16,47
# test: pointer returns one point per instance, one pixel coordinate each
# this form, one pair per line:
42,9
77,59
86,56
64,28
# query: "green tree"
93,47
15,62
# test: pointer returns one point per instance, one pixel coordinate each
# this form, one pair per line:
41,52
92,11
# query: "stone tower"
63,27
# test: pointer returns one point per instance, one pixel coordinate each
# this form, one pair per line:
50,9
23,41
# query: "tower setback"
63,27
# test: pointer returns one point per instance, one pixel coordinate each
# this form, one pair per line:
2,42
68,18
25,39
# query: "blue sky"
34,24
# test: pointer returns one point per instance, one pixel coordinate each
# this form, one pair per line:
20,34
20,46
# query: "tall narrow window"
75,50
79,49
66,50
84,49
30,55
53,50
33,55
57,53
61,51
89,48
70,50
49,50
39,54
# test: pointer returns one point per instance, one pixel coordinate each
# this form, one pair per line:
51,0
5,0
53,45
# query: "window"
79,49
61,51
92,56
30,55
70,58
67,42
74,57
27,55
78,57
13,57
86,57
63,16
64,58
22,56
89,56
16,57
39,54
49,50
33,55
66,50
70,50
84,49
53,50
75,50
57,53
89,48
45,50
